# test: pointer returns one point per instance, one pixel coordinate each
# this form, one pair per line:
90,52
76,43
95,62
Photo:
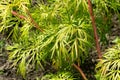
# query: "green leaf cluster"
66,37
109,67
67,32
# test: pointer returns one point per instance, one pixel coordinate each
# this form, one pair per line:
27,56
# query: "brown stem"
23,17
81,72
95,29
32,20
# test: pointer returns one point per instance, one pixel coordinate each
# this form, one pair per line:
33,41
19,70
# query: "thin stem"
23,17
95,29
81,72
33,21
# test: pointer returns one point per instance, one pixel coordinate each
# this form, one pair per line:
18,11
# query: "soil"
6,73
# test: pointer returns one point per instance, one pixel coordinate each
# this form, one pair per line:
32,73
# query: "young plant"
66,38
69,38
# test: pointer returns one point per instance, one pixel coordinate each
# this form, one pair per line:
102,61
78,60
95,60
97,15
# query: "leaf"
22,67
117,40
12,47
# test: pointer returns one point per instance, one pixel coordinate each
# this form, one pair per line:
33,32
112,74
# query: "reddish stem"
23,17
95,29
32,20
16,14
81,72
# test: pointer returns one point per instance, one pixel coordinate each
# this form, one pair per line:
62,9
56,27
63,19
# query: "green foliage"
58,76
70,42
109,67
10,25
67,35
27,54
66,28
